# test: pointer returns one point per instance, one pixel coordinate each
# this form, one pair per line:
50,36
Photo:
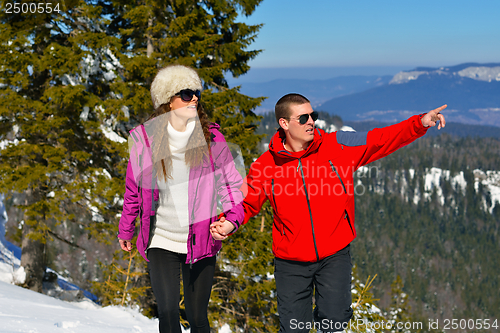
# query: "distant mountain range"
317,91
471,90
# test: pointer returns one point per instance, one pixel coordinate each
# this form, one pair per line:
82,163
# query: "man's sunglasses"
303,118
187,94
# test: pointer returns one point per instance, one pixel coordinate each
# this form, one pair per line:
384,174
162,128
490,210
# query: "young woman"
180,167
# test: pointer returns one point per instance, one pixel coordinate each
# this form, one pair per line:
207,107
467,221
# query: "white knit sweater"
172,216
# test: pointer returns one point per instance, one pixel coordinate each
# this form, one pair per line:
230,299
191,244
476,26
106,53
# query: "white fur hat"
172,79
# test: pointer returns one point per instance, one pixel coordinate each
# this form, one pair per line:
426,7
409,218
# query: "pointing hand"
432,117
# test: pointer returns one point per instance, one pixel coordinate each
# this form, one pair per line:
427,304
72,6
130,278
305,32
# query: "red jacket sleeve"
381,142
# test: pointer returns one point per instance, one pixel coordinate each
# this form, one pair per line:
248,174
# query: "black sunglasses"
187,94
303,118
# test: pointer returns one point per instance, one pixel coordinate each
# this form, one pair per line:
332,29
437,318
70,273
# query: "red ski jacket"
312,191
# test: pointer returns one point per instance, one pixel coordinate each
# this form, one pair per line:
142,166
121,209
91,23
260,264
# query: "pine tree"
73,79
67,76
55,70
203,35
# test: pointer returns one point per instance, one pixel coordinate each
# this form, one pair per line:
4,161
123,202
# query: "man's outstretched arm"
366,147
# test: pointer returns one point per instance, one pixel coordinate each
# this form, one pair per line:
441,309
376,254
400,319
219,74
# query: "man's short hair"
282,108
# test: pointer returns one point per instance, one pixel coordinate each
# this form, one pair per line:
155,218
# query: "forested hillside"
430,215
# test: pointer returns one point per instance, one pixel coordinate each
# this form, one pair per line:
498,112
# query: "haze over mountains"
471,90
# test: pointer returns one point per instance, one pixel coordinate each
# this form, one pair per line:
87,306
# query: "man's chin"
309,139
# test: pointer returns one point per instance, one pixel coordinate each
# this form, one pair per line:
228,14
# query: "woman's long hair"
198,146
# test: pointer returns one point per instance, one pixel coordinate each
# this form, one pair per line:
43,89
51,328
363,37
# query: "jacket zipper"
141,212
193,236
308,206
346,216
192,240
282,231
274,198
141,225
338,175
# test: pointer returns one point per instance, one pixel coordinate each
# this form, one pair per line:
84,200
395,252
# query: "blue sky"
350,34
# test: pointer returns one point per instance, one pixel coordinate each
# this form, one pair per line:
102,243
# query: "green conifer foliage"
53,90
204,35
367,316
399,310
69,78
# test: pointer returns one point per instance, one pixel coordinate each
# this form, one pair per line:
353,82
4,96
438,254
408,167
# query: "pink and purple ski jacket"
215,181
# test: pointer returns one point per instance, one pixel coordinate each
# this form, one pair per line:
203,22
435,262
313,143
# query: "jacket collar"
278,150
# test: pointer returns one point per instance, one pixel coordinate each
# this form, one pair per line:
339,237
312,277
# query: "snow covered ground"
22,310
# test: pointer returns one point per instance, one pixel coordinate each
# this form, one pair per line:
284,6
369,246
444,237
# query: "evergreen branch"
119,269
234,312
219,86
64,240
365,289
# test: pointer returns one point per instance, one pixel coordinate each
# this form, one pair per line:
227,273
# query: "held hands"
126,245
432,117
221,228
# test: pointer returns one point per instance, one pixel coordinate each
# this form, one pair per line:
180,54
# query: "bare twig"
132,255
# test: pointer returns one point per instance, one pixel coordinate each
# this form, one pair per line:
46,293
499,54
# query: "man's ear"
283,123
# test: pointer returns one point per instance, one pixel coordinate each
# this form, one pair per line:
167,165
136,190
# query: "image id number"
31,8
471,324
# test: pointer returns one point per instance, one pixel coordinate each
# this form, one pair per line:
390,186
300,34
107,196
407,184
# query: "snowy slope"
22,310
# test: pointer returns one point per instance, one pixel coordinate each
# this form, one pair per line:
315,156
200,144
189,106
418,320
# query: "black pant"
164,271
295,282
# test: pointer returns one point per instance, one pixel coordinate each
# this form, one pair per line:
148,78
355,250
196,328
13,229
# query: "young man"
307,175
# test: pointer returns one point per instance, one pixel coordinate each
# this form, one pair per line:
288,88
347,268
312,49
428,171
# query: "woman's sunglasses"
303,118
187,94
